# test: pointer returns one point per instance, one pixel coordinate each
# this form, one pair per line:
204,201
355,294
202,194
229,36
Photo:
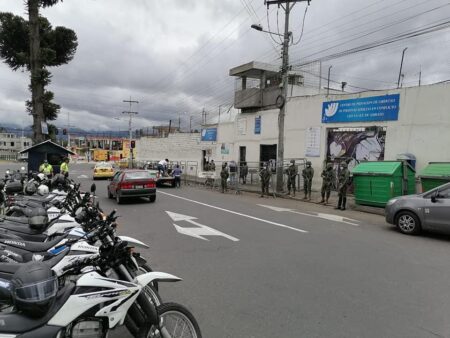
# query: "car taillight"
125,185
150,185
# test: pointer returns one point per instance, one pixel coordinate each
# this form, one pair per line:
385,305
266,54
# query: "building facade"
11,144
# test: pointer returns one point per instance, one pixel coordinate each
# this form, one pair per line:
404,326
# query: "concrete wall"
184,148
422,129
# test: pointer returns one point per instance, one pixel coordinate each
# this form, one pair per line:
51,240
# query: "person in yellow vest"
46,168
64,169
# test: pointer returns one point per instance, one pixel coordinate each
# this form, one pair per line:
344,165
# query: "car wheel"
118,198
152,198
408,223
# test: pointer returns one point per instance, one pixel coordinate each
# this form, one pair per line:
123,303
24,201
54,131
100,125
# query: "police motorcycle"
84,302
36,224
37,193
76,240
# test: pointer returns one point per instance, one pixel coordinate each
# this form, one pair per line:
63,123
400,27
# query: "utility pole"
190,124
328,85
401,66
287,5
130,114
420,75
68,130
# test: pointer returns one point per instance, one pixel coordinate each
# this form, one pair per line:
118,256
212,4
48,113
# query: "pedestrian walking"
343,182
308,174
291,172
265,175
243,172
176,173
224,174
328,175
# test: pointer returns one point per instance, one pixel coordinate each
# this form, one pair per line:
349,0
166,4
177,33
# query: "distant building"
11,144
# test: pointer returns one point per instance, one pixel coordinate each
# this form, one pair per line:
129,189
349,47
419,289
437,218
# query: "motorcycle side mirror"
93,187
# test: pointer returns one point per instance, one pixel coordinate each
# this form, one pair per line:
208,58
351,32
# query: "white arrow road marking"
234,212
82,176
330,217
199,231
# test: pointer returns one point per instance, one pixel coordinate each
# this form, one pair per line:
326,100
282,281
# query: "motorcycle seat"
20,219
21,228
32,246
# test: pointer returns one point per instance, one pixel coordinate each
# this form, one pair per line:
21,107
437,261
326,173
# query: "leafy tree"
35,45
52,130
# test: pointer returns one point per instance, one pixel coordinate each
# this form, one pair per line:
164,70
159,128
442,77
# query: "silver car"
426,211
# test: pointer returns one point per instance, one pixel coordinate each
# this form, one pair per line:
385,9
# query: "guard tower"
258,86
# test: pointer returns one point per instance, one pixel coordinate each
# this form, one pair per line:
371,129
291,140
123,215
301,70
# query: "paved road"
299,270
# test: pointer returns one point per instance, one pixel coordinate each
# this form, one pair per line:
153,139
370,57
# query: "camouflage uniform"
264,174
328,176
343,182
224,174
291,172
308,174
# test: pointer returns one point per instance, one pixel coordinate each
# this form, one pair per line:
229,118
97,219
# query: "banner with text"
366,109
209,134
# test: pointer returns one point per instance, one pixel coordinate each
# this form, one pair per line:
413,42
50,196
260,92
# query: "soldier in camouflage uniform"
343,182
224,174
265,175
291,172
328,176
308,174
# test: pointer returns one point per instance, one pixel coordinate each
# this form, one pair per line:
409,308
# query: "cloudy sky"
173,56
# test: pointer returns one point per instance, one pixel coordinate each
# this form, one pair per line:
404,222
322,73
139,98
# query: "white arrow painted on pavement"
82,176
329,217
199,231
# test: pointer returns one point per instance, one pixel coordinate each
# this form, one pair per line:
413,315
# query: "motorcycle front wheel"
177,322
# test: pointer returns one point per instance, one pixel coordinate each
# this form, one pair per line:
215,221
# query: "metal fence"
243,176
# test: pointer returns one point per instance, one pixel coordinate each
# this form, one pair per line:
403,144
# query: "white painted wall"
175,147
423,128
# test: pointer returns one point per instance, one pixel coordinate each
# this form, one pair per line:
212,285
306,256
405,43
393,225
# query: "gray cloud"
174,56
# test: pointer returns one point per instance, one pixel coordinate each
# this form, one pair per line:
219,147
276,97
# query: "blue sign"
209,134
375,108
258,125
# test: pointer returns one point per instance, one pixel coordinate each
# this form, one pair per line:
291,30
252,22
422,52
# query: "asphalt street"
254,267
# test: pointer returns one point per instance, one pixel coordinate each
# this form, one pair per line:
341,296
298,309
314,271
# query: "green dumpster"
434,175
375,183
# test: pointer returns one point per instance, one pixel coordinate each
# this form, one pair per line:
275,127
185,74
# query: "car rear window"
103,165
137,175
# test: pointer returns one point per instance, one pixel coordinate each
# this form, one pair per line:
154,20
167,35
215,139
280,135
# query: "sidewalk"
315,197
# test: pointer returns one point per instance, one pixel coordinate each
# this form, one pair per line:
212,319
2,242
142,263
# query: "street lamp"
258,27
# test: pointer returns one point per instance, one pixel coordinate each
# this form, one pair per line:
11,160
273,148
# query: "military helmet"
330,166
308,163
344,165
293,161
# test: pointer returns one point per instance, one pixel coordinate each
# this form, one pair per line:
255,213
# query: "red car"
132,183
